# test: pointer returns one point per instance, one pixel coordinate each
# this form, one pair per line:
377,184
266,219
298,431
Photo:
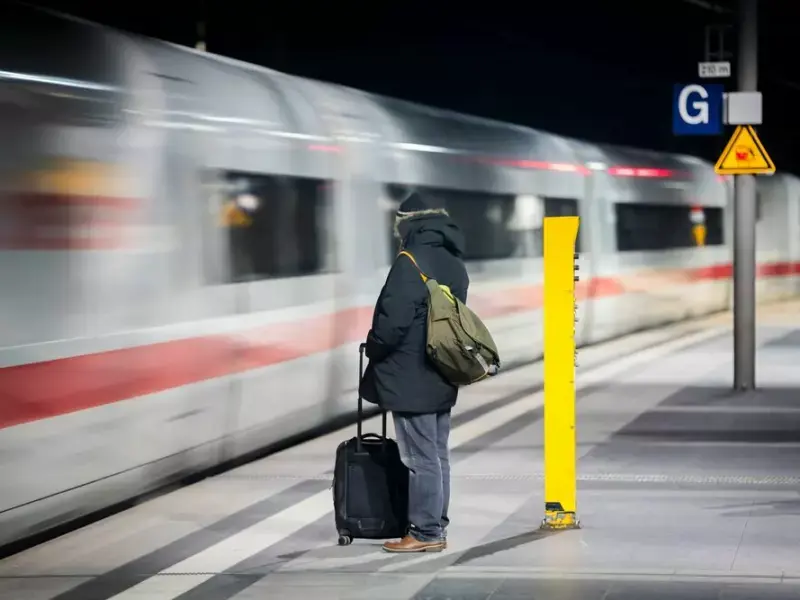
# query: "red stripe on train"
47,389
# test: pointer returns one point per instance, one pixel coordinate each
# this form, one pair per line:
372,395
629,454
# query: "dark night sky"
599,70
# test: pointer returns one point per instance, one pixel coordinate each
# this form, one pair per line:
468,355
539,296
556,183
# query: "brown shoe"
411,544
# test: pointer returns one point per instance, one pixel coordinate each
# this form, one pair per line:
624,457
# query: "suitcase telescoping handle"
361,350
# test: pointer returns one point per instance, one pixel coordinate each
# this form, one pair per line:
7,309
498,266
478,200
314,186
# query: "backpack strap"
425,278
413,260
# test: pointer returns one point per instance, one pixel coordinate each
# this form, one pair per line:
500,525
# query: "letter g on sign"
699,106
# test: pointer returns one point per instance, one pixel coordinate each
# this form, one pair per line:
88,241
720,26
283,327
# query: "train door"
352,125
275,200
177,430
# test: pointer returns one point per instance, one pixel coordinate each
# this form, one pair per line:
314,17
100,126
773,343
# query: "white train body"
191,248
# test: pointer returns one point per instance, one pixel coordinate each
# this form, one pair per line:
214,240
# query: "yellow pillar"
560,275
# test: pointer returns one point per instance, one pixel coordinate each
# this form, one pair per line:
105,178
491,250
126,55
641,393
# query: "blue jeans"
422,439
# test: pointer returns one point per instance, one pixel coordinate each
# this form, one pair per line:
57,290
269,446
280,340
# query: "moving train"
191,248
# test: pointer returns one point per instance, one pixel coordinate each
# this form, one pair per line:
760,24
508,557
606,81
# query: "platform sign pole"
744,221
560,479
743,157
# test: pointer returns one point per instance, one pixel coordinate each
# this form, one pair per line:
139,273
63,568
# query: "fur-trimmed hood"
429,226
401,217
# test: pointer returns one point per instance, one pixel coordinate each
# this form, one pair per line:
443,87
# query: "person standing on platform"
401,379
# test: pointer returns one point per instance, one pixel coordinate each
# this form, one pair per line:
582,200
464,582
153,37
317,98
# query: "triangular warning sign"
744,155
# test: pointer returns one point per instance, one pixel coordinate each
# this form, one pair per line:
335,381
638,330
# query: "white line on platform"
621,574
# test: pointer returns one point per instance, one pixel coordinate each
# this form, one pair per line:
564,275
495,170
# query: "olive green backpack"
458,344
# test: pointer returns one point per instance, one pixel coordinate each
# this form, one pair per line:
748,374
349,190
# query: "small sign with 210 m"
709,70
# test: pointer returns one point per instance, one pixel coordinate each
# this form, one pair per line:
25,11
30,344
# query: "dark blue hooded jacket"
399,376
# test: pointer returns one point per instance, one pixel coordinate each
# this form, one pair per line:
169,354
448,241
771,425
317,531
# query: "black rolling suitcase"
370,483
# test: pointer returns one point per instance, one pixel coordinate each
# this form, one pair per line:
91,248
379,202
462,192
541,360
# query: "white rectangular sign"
742,108
708,70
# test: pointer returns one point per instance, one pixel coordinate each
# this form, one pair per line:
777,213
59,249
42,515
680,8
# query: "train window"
715,226
664,227
493,224
482,217
274,225
484,220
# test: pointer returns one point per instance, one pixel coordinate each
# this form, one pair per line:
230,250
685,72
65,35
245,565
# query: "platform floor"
686,490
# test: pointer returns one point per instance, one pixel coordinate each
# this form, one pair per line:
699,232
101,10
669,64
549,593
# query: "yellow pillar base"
556,520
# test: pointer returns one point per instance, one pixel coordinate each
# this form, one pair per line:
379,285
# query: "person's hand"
374,349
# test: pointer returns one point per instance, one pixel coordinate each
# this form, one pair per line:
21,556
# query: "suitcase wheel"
345,540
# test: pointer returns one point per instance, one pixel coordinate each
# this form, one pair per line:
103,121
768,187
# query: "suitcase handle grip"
370,438
361,350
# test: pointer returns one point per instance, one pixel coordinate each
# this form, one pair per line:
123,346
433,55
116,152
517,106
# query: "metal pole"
744,220
200,43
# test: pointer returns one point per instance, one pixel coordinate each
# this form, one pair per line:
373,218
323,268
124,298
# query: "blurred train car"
191,247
